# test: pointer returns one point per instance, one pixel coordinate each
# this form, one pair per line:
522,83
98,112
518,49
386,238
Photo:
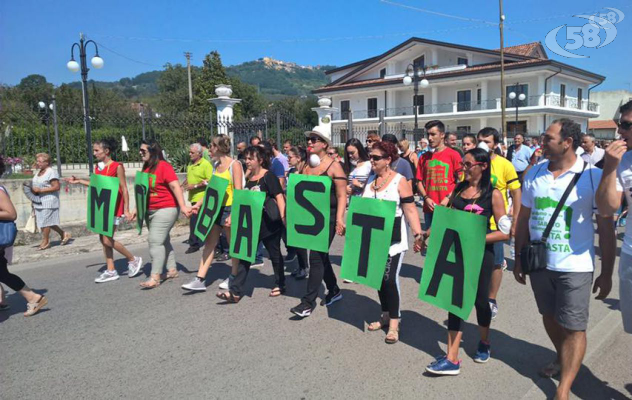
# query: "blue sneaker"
444,367
483,352
438,359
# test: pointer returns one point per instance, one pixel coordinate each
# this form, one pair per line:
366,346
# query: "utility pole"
503,96
188,57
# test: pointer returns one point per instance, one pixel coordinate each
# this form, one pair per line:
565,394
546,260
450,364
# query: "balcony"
472,108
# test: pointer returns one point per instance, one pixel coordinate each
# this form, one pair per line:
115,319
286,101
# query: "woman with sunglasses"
166,201
261,179
357,166
386,184
230,169
476,195
319,264
296,157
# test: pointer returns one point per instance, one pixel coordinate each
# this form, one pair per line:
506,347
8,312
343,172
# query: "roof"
604,124
533,49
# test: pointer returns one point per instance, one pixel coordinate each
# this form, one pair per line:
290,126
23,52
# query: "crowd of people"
520,190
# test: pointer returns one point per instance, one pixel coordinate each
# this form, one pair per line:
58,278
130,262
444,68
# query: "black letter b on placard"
207,214
319,218
454,269
367,223
244,232
100,200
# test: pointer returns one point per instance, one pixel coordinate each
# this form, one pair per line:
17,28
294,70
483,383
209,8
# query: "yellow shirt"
196,173
228,197
504,178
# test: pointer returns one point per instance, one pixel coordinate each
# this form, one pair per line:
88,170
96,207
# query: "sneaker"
494,307
439,359
4,307
291,256
347,281
483,352
295,271
302,310
191,249
225,285
444,367
221,256
33,308
107,276
196,285
134,267
504,266
332,297
257,265
301,274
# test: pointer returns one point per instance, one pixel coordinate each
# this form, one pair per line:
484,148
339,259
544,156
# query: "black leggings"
483,312
320,268
13,281
273,244
389,293
301,254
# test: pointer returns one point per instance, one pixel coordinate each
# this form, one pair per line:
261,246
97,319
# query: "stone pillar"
324,115
224,104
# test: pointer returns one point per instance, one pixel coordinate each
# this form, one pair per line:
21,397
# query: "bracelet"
424,197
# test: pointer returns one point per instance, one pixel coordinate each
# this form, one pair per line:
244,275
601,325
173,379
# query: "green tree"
173,89
212,73
33,89
252,103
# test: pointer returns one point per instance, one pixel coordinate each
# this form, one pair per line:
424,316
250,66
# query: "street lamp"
74,66
416,74
521,97
53,107
42,106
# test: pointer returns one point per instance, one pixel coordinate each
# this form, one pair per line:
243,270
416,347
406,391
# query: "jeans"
320,269
161,251
427,220
259,255
13,281
194,241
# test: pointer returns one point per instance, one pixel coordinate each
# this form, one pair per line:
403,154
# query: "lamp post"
42,106
521,97
416,75
74,66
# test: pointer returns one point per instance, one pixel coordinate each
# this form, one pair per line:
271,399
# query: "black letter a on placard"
454,269
367,223
301,200
244,232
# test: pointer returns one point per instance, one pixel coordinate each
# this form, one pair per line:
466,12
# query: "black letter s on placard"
319,219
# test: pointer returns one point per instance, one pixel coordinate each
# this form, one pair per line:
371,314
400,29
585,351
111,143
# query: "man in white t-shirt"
616,183
562,290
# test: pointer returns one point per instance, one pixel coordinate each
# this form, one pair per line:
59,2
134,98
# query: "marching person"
34,302
562,287
319,264
166,201
357,166
199,172
296,159
475,194
46,185
230,169
261,179
387,184
469,142
103,151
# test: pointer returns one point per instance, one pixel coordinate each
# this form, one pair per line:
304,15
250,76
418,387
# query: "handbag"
271,208
31,224
534,256
8,233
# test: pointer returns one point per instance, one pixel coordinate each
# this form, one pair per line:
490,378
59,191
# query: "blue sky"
36,35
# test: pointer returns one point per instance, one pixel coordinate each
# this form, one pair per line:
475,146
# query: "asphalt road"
114,340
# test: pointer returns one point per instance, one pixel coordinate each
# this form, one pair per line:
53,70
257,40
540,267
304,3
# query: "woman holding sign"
166,201
260,179
229,169
387,184
103,150
319,264
296,159
476,195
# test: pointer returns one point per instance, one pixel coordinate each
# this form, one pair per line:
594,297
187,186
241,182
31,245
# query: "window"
479,95
418,101
344,109
517,89
382,72
461,61
420,61
562,95
519,127
580,95
371,106
464,129
464,100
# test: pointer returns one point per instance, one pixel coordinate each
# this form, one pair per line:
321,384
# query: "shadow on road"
18,305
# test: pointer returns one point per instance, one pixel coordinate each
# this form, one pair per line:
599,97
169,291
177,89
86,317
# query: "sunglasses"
375,158
625,125
369,141
314,139
142,151
467,165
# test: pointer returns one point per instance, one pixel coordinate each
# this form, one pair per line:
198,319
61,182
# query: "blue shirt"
521,158
279,166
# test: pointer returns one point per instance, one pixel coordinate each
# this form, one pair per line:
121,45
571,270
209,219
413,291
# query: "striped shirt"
49,200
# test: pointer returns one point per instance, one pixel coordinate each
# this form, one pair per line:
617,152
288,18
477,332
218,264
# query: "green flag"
367,241
141,194
102,195
308,203
245,223
453,262
213,199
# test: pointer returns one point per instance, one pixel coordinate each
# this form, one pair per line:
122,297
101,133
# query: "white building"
464,89
604,126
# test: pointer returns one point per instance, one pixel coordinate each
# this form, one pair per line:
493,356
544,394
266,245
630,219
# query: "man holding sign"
381,256
475,195
319,176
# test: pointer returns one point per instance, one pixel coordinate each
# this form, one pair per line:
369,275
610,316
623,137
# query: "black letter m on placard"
319,218
98,201
454,269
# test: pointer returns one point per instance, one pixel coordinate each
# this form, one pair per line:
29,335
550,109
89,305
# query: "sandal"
378,325
171,274
392,336
550,370
66,239
150,283
40,248
276,292
228,297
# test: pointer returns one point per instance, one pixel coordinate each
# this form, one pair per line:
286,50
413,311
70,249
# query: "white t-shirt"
571,241
624,184
391,193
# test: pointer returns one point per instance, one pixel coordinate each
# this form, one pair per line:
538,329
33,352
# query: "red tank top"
110,170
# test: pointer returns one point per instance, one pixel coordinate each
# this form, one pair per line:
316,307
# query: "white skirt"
47,217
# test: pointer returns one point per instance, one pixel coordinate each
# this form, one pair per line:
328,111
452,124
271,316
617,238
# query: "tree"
33,89
173,89
252,103
213,73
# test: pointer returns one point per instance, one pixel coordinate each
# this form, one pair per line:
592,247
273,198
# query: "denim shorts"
223,215
499,253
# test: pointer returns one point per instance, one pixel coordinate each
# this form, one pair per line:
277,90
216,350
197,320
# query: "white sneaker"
107,276
195,285
257,265
134,267
225,285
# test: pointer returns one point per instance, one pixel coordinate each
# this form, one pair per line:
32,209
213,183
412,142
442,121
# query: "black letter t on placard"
454,269
367,223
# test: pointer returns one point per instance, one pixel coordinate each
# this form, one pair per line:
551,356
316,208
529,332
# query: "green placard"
213,198
245,223
102,196
453,262
141,194
308,204
367,241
